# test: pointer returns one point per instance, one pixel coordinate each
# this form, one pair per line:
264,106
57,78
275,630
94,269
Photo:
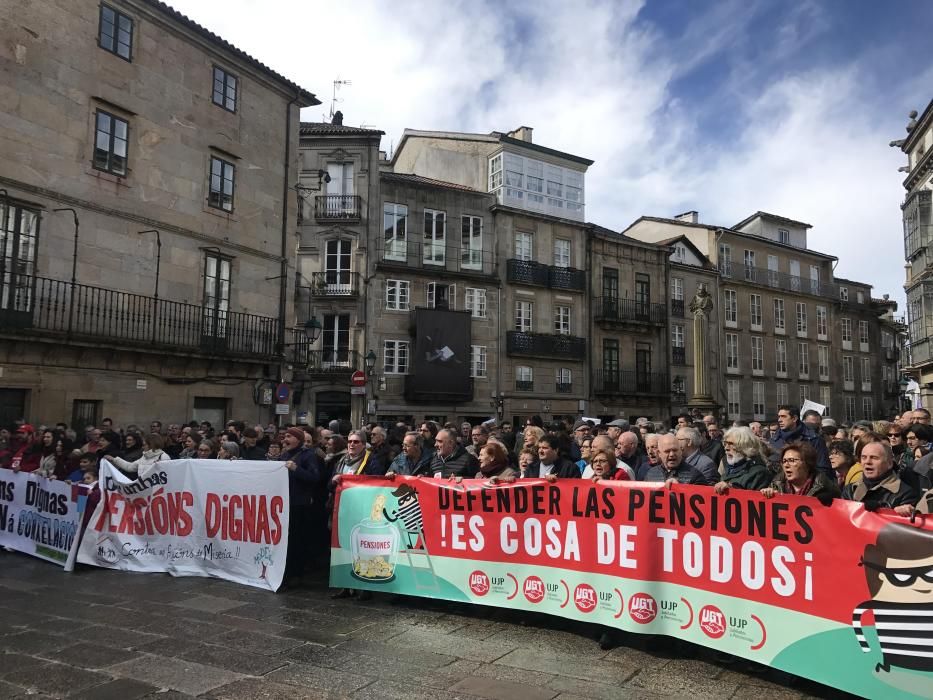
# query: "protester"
881,486
229,450
672,468
307,491
450,458
527,463
413,460
792,430
551,465
690,443
745,468
132,447
800,476
152,454
249,447
842,458
27,457
206,450
605,466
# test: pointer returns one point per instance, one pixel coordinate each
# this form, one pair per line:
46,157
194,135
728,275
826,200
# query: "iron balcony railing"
621,381
433,256
562,347
614,310
540,275
329,362
55,307
334,283
678,355
779,280
677,308
564,388
337,207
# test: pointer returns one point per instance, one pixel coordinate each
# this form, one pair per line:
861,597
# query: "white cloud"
595,82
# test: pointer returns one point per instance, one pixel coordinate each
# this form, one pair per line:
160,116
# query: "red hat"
25,428
296,433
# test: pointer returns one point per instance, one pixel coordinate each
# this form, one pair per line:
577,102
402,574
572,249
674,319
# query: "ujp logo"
712,621
479,583
643,608
534,589
584,597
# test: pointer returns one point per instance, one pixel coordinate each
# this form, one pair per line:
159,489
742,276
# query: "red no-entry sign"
358,378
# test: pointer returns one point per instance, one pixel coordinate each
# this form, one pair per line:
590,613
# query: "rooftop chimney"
691,217
522,133
338,118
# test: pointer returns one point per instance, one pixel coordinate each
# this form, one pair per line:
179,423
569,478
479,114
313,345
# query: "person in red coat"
28,456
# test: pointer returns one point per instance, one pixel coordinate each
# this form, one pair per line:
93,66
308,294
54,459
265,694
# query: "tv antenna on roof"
333,100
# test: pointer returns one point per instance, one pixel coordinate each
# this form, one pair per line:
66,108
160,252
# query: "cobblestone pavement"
105,634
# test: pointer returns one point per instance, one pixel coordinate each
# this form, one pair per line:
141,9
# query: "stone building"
340,219
538,223
630,304
148,239
788,331
918,247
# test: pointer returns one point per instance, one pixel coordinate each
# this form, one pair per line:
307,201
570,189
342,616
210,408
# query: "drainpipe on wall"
283,271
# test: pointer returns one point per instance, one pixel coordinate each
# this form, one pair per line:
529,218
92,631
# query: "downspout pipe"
283,272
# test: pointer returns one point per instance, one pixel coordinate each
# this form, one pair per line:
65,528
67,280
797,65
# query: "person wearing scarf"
799,475
745,468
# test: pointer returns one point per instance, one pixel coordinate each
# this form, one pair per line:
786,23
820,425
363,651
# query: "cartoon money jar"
374,543
899,574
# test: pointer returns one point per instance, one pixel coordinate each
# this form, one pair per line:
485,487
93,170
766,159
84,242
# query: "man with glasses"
790,429
479,437
690,440
413,461
451,459
921,416
881,486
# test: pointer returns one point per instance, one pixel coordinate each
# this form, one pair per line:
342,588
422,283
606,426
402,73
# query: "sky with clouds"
724,107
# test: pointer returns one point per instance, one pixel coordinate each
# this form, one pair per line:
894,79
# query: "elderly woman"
605,466
205,450
528,462
799,475
585,449
494,463
842,459
189,446
229,450
531,436
745,466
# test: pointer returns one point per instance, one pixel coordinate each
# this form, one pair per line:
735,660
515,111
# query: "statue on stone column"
702,303
700,307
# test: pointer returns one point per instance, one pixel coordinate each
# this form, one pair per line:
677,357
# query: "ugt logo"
584,597
643,608
534,589
712,621
479,583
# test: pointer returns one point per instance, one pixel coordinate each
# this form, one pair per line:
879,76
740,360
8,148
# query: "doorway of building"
12,406
331,405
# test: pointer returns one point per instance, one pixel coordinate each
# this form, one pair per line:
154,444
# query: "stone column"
700,307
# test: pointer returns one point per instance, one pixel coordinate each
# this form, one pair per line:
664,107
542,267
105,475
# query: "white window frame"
677,335
732,352
524,246
395,356
396,246
730,308
821,323
863,335
478,361
850,409
801,319
783,236
780,393
430,295
804,393
758,400
867,408
773,274
524,316
471,242
749,260
435,238
474,301
780,320
822,353
562,319
677,288
401,291
780,357
803,360
848,373
826,395
845,324
563,376
865,373
754,311
725,260
758,356
843,294
733,398
561,252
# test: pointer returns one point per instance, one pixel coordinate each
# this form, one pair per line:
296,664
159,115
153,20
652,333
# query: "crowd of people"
882,464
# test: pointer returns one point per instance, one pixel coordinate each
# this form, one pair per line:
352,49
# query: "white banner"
39,516
193,517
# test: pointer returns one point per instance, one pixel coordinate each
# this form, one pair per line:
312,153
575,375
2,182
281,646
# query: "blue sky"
724,107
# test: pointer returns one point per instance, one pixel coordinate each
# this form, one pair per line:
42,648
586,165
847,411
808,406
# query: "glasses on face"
894,435
354,442
791,460
728,443
477,435
599,460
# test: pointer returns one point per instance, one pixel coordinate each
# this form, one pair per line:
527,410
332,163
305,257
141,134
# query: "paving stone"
32,642
209,603
404,691
661,680
502,690
594,690
119,689
450,644
256,643
168,695
18,662
176,674
322,679
775,693
390,650
56,679
548,640
115,637
91,656
9,691
586,668
262,689
379,631
232,659
497,672
244,623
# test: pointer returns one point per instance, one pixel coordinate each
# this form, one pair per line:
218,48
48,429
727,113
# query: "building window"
844,296
801,318
725,260
860,297
221,188
732,307
784,236
826,398
395,357
754,310
524,378
562,320
561,252
821,322
780,393
850,409
395,223
610,283
677,335
774,278
846,330
19,232
224,93
803,359
440,296
524,248
758,355
435,237
779,315
475,302
523,316
495,172
863,334
563,377
823,361
758,400
677,288
780,357
478,361
732,351
750,265
732,393
814,279
335,341
680,253
471,243
115,33
866,373
804,394
398,294
216,295
110,143
867,412
848,369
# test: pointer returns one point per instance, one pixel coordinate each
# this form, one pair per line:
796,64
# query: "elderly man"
790,429
378,444
881,486
922,416
654,456
480,436
581,430
359,460
465,429
307,493
627,452
615,429
673,468
551,465
712,442
248,447
689,440
413,460
451,458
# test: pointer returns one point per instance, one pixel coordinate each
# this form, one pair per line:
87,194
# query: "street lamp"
370,361
312,329
905,398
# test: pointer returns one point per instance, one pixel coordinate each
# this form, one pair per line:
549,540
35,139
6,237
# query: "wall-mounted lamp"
323,177
370,361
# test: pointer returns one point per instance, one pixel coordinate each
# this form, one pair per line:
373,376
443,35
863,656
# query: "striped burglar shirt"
905,632
410,513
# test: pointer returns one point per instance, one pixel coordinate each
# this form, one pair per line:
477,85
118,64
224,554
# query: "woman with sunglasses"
903,458
799,475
